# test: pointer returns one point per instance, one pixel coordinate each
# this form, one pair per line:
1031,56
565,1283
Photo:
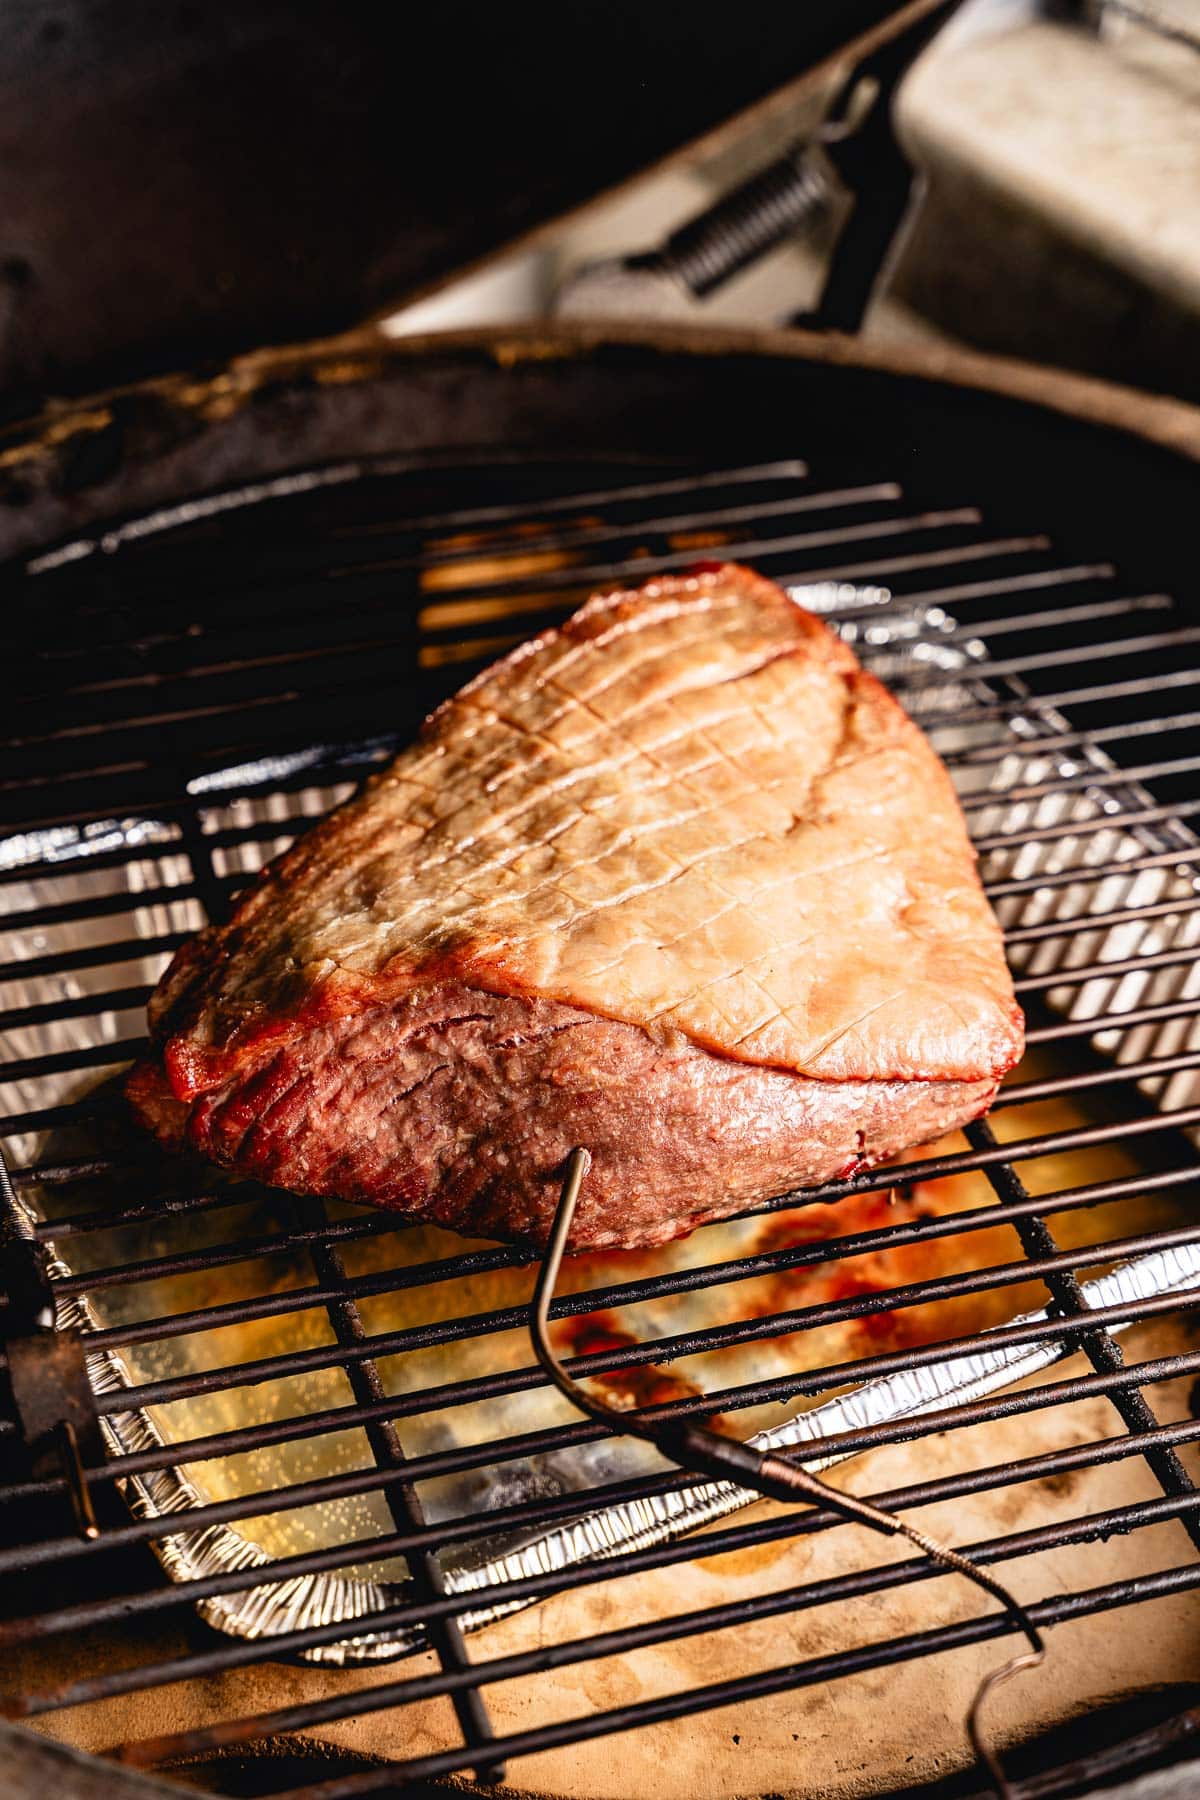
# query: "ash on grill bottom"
357,1397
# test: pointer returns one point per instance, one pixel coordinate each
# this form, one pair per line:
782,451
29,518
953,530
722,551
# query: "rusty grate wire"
319,635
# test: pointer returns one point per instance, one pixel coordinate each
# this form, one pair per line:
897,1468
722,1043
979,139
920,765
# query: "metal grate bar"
1077,973
101,1219
783,1680
1178,638
96,906
1117,819
962,593
79,1006
1089,872
253,601
1129,1518
80,1616
403,1501
832,1590
367,1413
89,1056
300,1494
1085,778
455,1330
208,657
1100,1348
1019,1093
778,1387
698,481
1101,1192
1098,921
1069,699
59,757
47,1118
97,955
1074,740
1142,1015
641,565
631,1292
1055,617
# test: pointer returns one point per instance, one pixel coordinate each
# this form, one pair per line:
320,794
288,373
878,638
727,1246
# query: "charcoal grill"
293,561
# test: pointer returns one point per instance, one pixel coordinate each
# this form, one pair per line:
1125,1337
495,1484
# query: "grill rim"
148,443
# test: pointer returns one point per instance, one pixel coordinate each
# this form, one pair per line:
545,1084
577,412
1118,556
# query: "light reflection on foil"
66,843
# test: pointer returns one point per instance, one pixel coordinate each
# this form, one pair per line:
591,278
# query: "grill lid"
274,171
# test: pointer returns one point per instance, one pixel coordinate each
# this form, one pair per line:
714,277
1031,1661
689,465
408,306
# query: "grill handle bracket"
855,148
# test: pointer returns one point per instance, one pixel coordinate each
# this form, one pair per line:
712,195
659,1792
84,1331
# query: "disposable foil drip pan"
951,674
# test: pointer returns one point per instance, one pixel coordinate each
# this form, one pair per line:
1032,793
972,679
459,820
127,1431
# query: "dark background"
181,181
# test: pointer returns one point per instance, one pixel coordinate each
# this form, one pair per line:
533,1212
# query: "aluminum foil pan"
892,638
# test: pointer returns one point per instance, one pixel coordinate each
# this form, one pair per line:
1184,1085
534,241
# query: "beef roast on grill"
677,881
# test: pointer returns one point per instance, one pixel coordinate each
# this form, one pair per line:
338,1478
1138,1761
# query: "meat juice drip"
870,1272
641,1385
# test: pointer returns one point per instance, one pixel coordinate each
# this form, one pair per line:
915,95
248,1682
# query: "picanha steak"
677,881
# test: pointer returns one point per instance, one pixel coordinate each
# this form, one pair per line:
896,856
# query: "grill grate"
316,632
